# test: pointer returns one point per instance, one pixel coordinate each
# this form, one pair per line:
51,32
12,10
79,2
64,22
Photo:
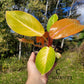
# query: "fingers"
32,57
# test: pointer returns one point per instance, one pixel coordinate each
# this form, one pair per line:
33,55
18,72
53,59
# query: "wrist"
35,80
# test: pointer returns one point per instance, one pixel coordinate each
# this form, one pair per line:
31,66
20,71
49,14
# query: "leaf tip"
7,12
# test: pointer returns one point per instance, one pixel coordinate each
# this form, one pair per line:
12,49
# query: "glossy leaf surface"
24,23
45,59
51,21
64,28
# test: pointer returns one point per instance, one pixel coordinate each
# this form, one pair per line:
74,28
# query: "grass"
17,77
69,67
71,72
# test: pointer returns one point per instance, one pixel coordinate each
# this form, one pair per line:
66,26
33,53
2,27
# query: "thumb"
32,57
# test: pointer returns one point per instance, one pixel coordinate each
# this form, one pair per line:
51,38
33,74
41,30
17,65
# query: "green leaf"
58,55
24,23
45,59
51,21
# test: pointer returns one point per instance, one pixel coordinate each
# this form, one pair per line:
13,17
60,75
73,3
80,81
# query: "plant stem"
45,39
50,41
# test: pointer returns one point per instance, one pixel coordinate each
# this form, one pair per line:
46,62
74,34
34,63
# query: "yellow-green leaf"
58,55
45,59
24,23
51,21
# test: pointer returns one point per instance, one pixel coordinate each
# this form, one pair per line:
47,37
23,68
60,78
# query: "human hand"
34,76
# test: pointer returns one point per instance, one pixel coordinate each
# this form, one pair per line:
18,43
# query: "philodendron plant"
27,25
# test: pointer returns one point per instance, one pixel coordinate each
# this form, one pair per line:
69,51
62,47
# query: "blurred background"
14,54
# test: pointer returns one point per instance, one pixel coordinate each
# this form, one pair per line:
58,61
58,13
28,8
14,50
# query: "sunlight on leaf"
45,59
64,28
51,21
24,23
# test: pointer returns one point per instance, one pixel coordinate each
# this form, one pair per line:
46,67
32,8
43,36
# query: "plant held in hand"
27,25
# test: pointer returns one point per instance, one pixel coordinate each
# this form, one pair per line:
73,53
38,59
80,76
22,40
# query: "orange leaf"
64,28
76,21
26,40
41,39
